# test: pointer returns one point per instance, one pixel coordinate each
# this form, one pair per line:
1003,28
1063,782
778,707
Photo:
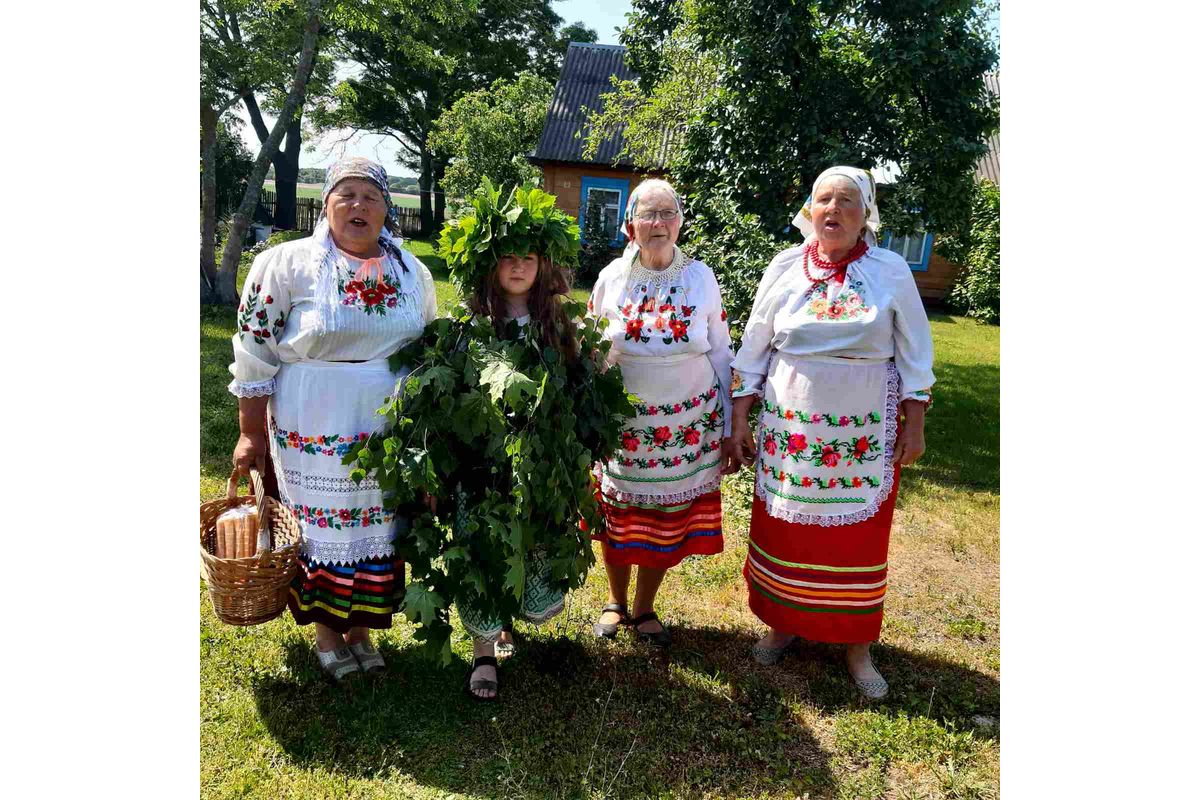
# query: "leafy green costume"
501,430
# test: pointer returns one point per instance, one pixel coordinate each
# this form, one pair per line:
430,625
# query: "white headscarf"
866,190
326,254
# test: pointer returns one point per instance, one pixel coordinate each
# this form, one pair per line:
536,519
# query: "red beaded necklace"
811,254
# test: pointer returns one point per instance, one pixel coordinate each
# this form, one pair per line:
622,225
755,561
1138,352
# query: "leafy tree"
233,163
232,67
976,291
403,89
759,96
489,132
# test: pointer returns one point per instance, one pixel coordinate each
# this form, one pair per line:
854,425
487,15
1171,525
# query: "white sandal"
338,664
769,656
873,689
368,657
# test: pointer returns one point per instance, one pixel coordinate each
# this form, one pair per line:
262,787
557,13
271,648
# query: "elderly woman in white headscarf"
839,350
317,321
661,492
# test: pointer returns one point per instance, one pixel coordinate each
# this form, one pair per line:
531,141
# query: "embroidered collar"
641,274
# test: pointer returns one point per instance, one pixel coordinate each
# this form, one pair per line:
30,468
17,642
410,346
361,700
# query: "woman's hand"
910,440
251,451
731,455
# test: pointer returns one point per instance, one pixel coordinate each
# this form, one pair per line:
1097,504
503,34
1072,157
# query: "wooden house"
586,75
934,274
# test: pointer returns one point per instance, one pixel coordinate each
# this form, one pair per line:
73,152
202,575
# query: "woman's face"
516,274
356,211
838,214
646,227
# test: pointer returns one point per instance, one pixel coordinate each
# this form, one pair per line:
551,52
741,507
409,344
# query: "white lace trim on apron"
790,421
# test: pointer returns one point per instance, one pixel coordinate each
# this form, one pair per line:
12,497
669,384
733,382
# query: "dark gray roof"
586,75
989,166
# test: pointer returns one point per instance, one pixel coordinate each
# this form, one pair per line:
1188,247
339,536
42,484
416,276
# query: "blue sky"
603,18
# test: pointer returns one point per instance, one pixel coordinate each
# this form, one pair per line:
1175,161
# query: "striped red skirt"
348,596
660,536
823,583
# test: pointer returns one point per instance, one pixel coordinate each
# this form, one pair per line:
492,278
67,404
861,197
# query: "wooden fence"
308,209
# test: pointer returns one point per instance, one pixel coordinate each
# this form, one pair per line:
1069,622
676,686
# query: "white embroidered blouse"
665,314
277,317
876,314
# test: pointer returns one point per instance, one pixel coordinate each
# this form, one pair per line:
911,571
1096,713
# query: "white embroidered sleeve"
429,290
720,354
913,340
261,318
753,357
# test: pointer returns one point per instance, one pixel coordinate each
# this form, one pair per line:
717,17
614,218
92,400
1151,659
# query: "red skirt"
348,596
659,537
822,583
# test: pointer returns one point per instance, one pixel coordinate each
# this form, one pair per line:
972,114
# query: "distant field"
314,190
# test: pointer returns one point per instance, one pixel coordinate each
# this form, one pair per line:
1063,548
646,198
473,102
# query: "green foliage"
234,164
490,131
977,249
737,248
759,96
595,254
503,433
527,222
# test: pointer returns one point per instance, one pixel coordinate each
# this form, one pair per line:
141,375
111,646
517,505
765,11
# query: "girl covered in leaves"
504,413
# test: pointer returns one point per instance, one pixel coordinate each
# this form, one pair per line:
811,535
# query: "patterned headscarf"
866,190
327,252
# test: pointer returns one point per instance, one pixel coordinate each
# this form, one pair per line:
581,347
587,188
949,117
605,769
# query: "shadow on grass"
575,719
580,718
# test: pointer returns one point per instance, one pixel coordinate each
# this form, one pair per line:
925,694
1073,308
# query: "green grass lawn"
585,719
314,191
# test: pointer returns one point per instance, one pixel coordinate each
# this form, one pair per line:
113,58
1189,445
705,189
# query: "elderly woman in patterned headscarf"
839,350
317,321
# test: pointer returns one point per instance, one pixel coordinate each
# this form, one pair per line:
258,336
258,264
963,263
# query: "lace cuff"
921,396
252,389
746,384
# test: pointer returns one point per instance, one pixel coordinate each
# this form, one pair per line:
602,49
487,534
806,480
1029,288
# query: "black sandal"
484,683
658,639
608,630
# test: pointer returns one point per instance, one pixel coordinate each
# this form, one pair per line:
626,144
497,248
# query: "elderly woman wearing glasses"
661,493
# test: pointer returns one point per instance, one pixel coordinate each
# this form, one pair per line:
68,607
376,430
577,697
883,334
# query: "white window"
915,248
610,202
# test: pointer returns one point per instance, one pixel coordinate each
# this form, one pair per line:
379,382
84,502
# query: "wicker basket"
250,591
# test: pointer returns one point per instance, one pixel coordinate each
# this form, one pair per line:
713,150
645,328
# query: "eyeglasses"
649,216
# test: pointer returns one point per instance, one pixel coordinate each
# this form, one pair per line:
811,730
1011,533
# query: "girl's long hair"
545,308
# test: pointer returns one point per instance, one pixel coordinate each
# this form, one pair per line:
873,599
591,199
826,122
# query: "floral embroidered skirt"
825,493
661,492
317,413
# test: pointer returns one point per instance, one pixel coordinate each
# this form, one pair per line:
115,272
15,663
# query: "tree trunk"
287,171
208,203
424,181
227,273
286,162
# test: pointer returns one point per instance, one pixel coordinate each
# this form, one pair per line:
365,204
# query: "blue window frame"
612,193
916,248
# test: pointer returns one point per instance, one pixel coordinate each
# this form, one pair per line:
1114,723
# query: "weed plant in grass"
580,718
